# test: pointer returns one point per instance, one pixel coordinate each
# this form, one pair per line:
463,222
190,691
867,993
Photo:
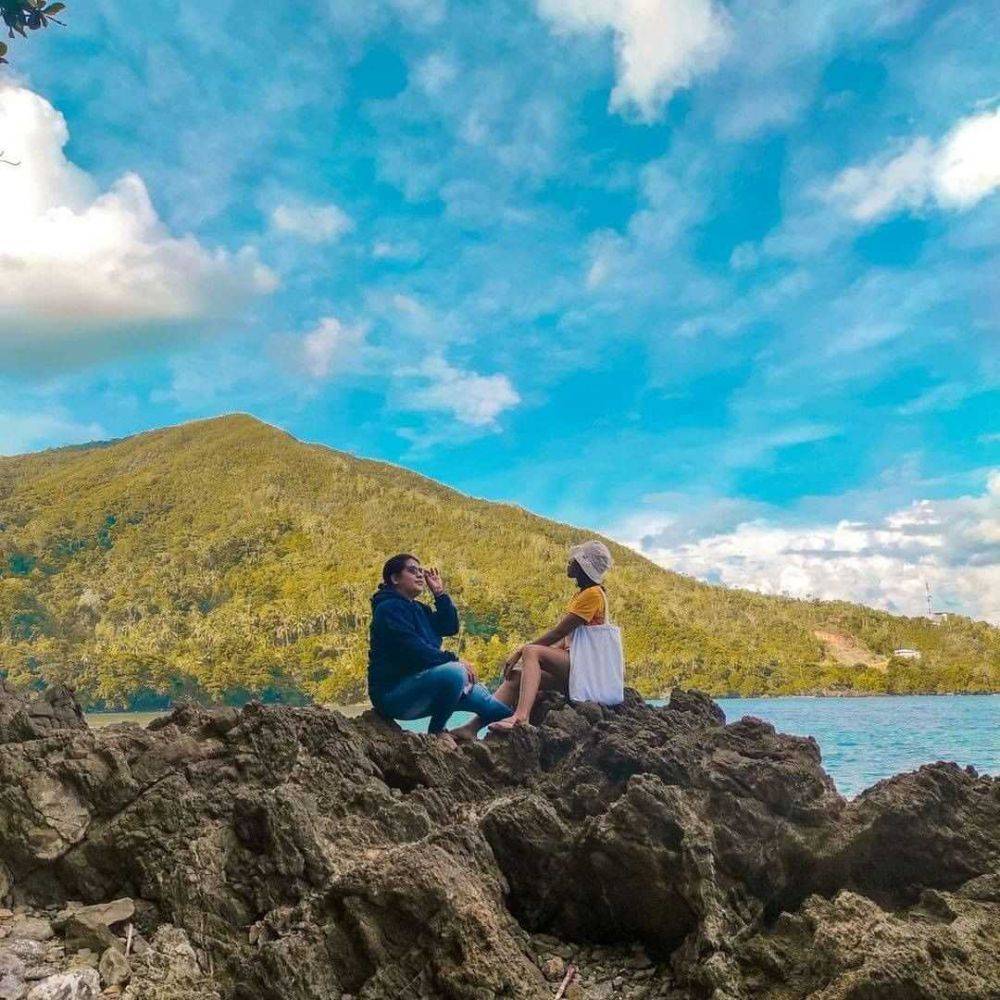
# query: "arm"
444,617
565,627
416,649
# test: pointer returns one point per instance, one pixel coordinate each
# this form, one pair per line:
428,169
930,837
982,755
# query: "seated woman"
545,663
409,675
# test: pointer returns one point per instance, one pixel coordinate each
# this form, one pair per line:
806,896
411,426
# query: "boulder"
114,968
80,984
85,931
12,984
27,716
30,928
114,912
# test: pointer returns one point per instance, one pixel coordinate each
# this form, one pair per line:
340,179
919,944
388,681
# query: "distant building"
907,654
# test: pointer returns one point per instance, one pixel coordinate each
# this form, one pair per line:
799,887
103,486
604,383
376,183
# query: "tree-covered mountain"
223,557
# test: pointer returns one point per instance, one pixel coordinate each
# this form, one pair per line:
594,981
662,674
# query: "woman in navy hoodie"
409,675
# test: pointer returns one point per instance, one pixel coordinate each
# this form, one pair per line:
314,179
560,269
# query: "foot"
465,734
505,725
445,740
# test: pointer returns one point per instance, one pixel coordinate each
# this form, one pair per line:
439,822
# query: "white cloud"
404,251
426,12
435,73
473,399
660,45
312,223
745,257
946,396
23,432
953,545
960,170
332,346
75,259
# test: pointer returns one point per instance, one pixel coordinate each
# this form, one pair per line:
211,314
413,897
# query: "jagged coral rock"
848,948
306,855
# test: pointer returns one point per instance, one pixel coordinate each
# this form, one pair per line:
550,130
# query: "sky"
719,279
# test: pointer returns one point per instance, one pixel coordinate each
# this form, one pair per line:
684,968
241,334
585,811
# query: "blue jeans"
437,692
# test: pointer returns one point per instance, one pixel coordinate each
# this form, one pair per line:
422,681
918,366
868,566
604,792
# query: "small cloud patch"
955,173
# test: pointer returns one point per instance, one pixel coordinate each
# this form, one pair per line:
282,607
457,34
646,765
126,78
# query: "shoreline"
354,709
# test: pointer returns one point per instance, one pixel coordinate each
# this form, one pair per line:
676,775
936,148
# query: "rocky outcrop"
946,945
643,852
51,710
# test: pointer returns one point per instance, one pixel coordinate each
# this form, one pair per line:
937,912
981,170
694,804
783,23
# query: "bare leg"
535,659
507,693
531,677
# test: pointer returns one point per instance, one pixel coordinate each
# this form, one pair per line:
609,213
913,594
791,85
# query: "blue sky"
719,279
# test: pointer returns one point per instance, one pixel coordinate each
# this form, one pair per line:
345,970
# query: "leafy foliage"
224,557
22,16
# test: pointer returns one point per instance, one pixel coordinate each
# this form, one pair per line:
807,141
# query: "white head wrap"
594,559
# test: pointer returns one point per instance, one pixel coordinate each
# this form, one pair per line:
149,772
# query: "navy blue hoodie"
406,638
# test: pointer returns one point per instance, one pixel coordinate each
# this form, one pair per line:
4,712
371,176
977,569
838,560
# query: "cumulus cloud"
23,432
389,349
75,259
955,173
473,399
323,223
953,545
660,45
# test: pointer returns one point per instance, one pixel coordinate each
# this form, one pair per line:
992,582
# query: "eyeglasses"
415,570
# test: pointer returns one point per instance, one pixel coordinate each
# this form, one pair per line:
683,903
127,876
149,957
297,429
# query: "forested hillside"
224,557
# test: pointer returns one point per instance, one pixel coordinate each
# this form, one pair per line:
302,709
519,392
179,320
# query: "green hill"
224,557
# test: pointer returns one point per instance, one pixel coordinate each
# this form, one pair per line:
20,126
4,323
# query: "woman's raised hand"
433,580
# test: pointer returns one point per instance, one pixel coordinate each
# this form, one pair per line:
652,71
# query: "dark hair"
392,567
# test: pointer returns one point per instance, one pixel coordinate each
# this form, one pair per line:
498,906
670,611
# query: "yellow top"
590,605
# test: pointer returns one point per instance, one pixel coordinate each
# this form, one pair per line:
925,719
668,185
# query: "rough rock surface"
29,718
654,852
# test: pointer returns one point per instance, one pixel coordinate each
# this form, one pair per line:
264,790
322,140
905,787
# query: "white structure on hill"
935,617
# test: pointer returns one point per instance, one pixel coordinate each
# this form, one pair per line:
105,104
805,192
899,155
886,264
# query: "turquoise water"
866,739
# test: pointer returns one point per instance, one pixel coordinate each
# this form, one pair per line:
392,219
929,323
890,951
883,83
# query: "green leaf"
3,49
54,8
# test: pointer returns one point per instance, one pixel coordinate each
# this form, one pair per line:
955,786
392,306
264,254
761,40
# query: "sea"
863,740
